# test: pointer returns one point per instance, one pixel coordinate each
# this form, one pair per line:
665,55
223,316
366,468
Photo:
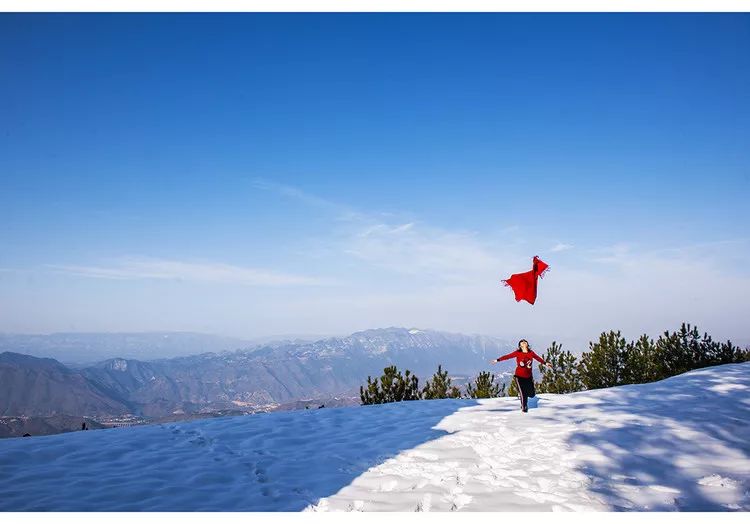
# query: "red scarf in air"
524,284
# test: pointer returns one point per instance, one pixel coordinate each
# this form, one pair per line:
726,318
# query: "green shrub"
563,377
440,386
391,387
602,366
485,387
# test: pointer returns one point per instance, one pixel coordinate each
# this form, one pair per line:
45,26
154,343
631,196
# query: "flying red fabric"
524,284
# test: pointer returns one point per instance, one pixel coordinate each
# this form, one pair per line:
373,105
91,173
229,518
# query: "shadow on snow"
280,461
659,432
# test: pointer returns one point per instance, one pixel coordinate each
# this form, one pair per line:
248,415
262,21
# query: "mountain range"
245,380
81,349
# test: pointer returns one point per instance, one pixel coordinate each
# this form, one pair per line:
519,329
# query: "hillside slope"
679,444
31,386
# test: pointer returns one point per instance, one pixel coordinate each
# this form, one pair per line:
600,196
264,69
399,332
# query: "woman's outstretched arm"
506,357
540,359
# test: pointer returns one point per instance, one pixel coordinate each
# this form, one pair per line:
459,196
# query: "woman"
523,376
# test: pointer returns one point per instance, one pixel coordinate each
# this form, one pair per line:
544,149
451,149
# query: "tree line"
610,361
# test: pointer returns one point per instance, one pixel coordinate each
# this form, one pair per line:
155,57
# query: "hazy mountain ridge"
86,348
287,372
269,376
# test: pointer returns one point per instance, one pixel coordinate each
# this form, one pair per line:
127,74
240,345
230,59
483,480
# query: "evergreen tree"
640,361
391,387
721,352
667,355
454,392
410,387
485,387
694,347
440,386
372,394
710,352
602,366
512,389
633,367
679,352
741,355
728,353
563,377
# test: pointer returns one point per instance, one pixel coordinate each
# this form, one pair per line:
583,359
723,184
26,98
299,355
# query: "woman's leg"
522,391
527,385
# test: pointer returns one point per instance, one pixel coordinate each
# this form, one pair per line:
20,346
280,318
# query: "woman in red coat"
524,356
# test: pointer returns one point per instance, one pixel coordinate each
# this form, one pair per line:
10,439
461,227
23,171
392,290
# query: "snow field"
679,444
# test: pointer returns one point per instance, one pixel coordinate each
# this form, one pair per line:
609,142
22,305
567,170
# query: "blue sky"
254,174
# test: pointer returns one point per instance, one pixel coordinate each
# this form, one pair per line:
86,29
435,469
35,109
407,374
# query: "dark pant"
525,388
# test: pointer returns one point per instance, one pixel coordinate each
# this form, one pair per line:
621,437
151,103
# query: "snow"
679,444
120,364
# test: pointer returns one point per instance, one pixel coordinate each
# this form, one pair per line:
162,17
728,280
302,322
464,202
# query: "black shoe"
525,410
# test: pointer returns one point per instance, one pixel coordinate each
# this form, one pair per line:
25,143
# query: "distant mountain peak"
10,357
119,364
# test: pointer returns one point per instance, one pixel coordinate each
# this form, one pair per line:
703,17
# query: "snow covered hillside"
679,444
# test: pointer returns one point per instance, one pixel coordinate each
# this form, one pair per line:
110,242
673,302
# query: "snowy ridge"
376,341
679,444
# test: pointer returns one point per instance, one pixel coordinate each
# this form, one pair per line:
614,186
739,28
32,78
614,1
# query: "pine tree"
410,390
440,386
485,387
717,353
633,367
679,352
454,392
667,355
728,353
711,352
693,348
741,355
563,377
371,395
640,362
602,365
512,389
392,387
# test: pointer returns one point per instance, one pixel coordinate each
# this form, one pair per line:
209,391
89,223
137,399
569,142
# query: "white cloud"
560,247
711,254
615,253
137,268
412,248
381,240
295,193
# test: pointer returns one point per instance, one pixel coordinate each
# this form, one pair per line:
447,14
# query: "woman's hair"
523,340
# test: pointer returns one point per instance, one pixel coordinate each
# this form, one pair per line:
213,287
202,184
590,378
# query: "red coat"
523,361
